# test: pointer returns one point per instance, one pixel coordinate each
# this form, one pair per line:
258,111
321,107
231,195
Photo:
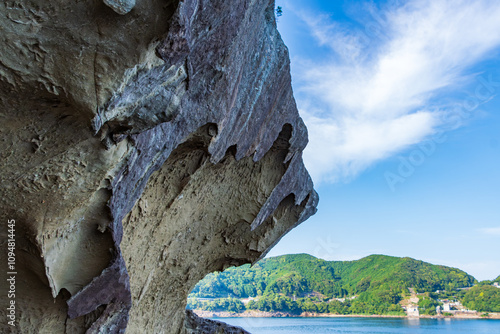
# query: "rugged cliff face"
143,145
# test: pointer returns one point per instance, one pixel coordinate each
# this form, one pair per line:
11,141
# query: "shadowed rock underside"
140,152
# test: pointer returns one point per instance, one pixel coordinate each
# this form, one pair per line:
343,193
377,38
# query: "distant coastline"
262,314
300,285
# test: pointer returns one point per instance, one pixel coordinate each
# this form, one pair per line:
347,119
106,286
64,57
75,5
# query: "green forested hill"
302,274
483,298
378,282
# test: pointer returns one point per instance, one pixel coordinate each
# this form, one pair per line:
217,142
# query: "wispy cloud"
490,230
377,94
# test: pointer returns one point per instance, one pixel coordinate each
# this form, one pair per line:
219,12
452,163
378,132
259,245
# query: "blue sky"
402,103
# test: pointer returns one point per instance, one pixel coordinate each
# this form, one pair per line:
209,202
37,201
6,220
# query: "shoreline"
262,314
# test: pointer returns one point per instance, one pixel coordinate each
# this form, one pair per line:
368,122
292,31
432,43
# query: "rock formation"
194,324
140,152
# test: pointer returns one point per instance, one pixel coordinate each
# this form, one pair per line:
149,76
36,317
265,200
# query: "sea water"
364,325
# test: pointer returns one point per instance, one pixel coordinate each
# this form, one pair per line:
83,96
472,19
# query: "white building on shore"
412,311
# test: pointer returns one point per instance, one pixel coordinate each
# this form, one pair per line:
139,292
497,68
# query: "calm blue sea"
364,325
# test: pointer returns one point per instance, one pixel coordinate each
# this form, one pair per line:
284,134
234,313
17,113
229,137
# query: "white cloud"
377,96
331,34
490,230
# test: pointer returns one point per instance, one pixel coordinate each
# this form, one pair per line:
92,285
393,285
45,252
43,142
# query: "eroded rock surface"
195,325
140,152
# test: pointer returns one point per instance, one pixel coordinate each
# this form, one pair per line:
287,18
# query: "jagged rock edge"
148,157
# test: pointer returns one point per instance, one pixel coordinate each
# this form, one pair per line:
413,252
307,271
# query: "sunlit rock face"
140,151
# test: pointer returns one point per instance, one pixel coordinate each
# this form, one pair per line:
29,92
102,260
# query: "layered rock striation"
140,152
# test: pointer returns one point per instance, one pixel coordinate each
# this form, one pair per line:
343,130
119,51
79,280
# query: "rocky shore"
262,314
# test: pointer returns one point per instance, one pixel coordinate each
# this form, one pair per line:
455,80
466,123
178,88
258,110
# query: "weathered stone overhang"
141,148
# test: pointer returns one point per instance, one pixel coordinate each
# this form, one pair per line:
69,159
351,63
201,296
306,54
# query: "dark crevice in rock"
232,150
91,317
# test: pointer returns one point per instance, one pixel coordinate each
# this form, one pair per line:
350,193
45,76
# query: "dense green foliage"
280,303
318,305
303,283
427,305
302,274
279,11
485,298
220,304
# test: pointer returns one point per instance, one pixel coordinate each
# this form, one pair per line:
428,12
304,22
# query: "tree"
483,299
279,11
363,285
251,305
428,305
